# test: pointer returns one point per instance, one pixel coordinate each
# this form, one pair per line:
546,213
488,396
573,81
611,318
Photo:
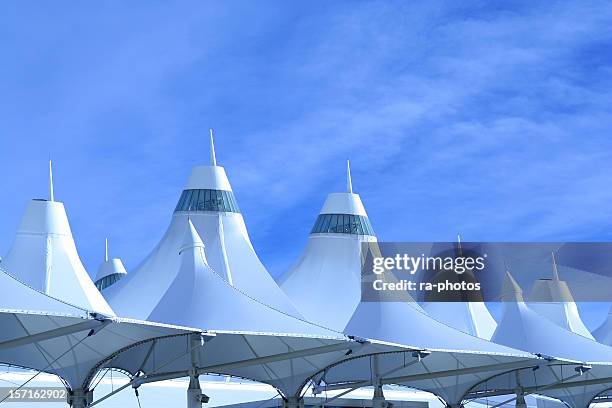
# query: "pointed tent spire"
511,290
213,157
191,239
349,181
51,197
555,270
105,249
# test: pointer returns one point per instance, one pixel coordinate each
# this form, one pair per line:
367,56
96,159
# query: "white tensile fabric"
406,323
603,333
45,334
553,299
470,317
199,297
54,336
331,262
523,328
227,246
44,256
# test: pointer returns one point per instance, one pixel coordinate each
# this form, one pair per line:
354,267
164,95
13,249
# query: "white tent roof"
209,202
553,299
55,337
44,256
330,261
454,354
470,317
523,328
603,333
199,297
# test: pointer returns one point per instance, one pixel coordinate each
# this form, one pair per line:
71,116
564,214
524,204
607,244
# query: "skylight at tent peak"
209,202
110,271
331,260
44,255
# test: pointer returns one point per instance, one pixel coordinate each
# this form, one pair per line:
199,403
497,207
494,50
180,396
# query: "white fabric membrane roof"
44,256
331,260
227,247
244,337
523,328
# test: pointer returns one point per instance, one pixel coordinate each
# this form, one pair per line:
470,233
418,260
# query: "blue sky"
492,119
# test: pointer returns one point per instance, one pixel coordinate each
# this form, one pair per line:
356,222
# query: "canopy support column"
520,400
293,402
195,397
80,398
378,400
519,391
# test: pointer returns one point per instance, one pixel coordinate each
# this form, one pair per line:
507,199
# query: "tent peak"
511,290
191,238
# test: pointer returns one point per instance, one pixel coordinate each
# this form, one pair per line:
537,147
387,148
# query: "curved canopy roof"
406,323
54,336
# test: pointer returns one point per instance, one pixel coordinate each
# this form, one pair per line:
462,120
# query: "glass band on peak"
108,280
342,224
207,200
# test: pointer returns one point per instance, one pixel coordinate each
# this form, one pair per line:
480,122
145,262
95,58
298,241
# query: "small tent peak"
511,289
191,239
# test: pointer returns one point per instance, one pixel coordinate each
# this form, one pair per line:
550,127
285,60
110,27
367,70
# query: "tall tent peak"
349,181
213,157
44,255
